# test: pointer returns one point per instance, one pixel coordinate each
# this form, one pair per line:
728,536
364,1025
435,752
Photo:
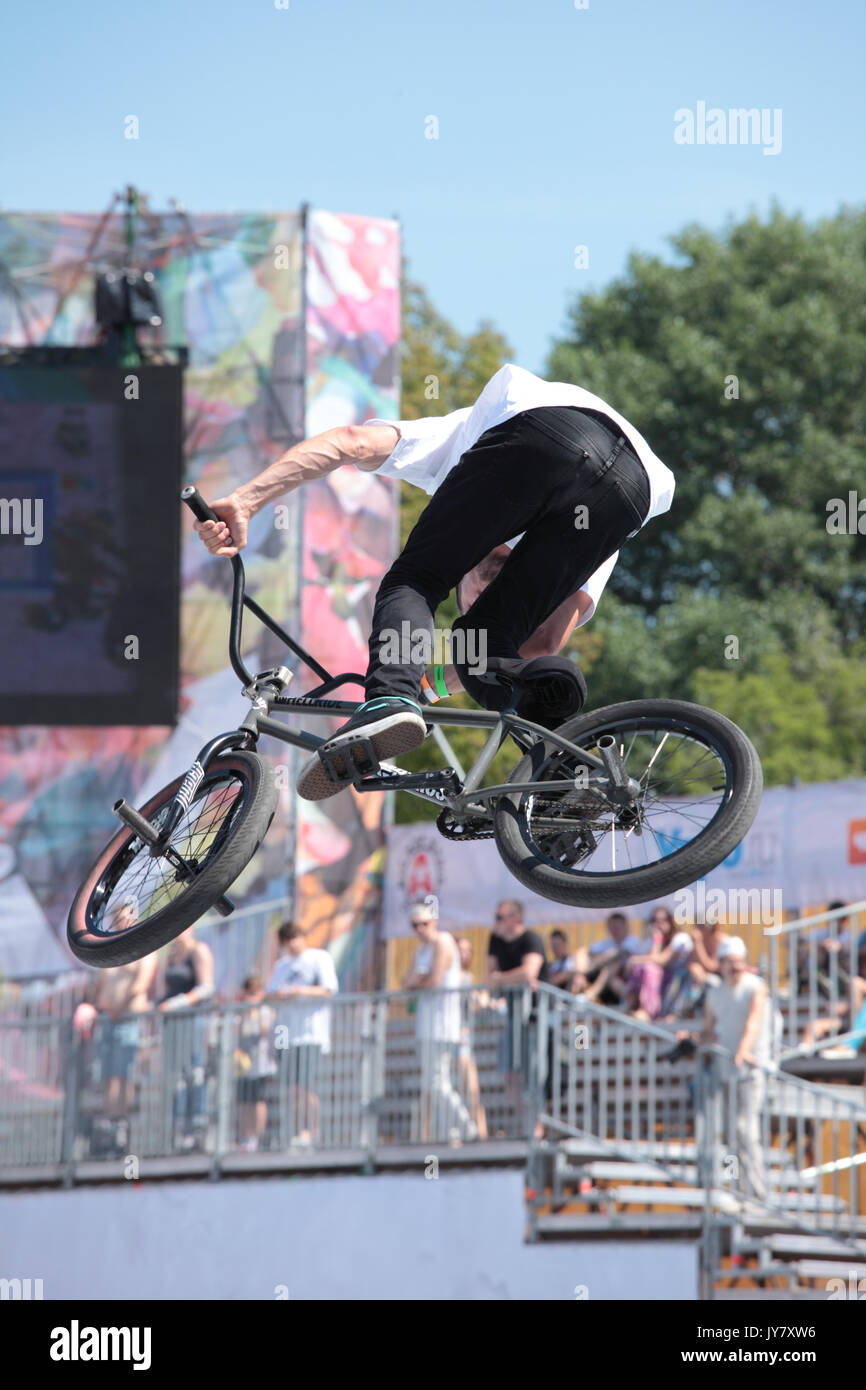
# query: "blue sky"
556,124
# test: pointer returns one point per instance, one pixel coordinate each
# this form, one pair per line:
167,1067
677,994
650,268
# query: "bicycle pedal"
350,760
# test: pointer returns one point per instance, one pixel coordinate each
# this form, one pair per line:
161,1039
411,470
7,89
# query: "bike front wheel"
131,902
700,788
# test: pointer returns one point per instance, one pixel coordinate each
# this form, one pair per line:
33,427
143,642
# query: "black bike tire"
676,870
139,940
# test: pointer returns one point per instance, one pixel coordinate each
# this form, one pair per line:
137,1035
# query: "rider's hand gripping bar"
202,512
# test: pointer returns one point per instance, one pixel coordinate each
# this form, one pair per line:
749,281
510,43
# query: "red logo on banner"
421,870
857,842
420,876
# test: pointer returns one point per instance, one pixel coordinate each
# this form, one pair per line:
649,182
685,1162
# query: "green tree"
812,728
743,364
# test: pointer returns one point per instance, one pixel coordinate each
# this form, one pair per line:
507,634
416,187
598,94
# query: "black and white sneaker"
547,690
390,724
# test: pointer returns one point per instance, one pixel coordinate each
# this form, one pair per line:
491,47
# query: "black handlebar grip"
197,505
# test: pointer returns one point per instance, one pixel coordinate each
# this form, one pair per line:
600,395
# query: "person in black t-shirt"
515,957
512,959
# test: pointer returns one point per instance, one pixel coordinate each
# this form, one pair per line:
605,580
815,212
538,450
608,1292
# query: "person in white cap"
737,1015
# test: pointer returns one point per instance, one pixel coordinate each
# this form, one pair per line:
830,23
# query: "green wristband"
439,682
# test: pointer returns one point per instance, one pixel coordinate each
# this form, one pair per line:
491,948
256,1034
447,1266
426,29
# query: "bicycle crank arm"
150,836
394,778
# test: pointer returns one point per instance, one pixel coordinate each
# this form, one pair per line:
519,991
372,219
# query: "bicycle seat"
546,689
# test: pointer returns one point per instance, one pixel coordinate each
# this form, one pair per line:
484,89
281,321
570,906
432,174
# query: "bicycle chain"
447,823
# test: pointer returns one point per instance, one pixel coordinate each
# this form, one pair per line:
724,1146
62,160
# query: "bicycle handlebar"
197,505
202,512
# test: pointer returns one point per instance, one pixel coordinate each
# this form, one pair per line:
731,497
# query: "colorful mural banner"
232,289
349,538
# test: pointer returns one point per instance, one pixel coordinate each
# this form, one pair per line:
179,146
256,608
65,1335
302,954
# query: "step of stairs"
769,1295
570,1225
794,1245
613,1170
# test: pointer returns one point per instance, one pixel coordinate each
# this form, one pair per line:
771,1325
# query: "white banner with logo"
807,846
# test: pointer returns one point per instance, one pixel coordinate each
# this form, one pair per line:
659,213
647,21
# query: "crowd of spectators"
695,981
286,1043
662,977
831,974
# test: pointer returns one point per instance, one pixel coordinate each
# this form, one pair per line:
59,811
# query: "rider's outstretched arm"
365,446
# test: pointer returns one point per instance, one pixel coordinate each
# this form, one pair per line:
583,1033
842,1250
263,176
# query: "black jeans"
531,473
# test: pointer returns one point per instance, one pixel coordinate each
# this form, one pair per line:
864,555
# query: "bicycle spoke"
684,784
154,883
655,755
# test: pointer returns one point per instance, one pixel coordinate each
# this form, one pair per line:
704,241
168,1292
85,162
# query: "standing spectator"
120,994
436,973
189,976
480,996
464,946
562,965
515,957
254,1062
738,1016
306,977
472,1001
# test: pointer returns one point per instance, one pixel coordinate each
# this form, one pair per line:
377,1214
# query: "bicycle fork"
159,841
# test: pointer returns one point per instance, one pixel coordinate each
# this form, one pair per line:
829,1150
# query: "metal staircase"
629,1149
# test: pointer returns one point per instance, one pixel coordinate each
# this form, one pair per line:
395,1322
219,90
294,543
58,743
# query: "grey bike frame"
499,725
265,691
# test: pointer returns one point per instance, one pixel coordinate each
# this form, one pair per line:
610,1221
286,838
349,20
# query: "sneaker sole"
395,734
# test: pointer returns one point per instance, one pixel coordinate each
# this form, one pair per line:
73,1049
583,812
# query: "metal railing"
351,1075
44,996
753,1138
815,978
355,1079
243,944
786,1145
608,1075
34,1083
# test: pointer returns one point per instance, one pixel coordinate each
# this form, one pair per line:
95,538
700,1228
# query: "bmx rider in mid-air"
534,489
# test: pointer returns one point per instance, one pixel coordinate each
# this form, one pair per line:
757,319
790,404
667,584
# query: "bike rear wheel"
131,903
701,784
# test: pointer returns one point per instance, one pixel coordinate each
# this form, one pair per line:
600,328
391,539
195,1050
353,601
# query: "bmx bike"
583,818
